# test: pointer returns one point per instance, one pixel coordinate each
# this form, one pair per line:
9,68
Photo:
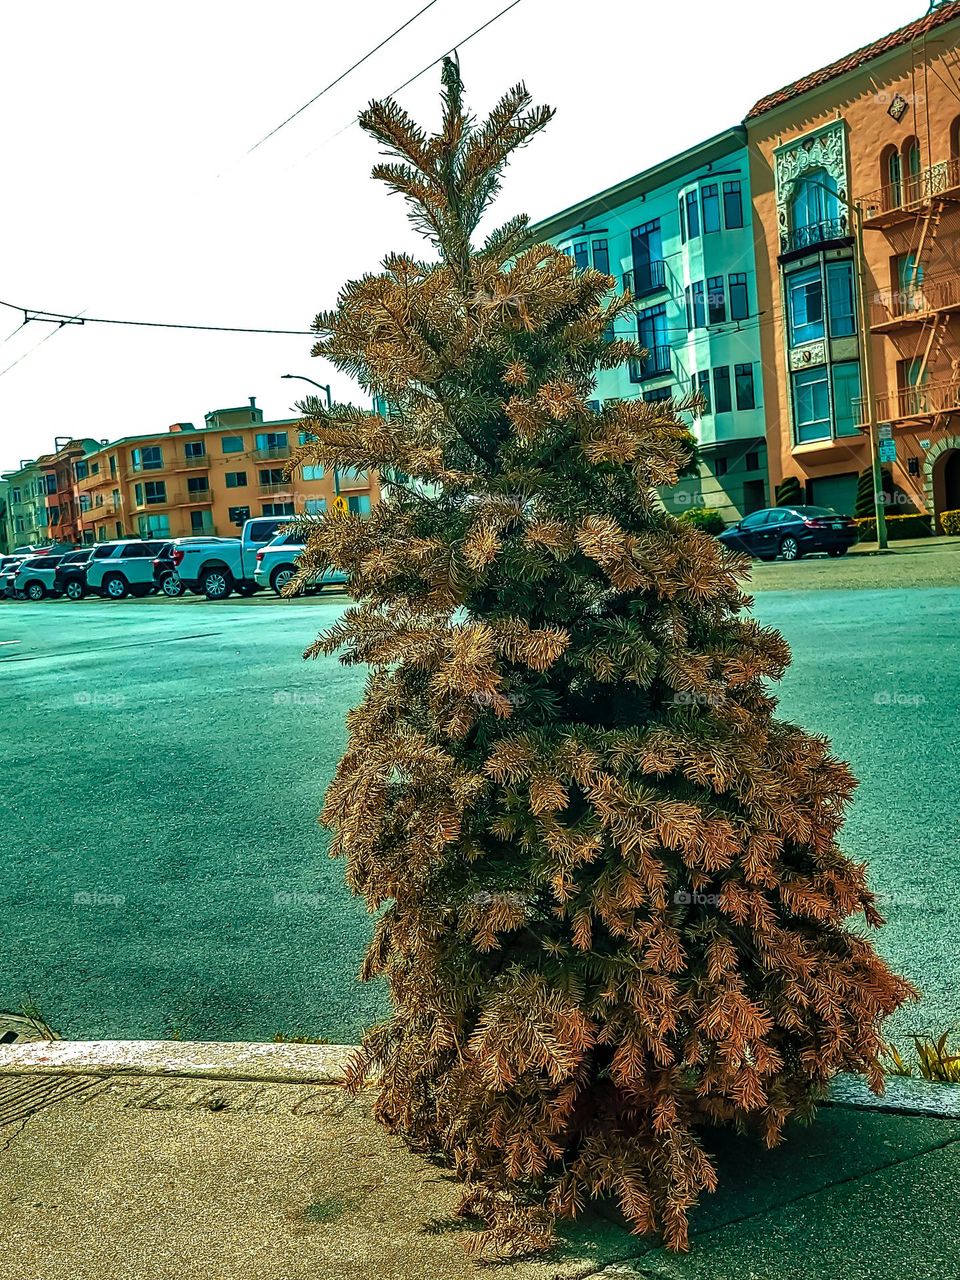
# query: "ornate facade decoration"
826,149
810,354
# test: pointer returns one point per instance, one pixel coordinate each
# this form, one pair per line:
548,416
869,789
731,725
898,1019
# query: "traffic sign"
885,431
888,450
340,505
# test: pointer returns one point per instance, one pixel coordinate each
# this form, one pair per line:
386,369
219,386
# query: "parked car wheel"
790,549
838,551
281,576
74,590
115,587
35,591
217,584
172,586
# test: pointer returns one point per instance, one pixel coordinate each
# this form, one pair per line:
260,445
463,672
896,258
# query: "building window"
716,300
815,207
113,467
732,204
721,389
646,244
720,466
149,459
198,486
353,476
693,215
652,334
846,395
195,449
150,492
237,515
147,527
94,468
272,441
751,461
200,522
696,306
53,515
581,255
231,444
271,475
710,196
658,395
312,473
811,404
315,506
891,177
601,256
701,388
840,306
236,479
739,302
805,306
683,221
277,509
744,380
81,470
359,504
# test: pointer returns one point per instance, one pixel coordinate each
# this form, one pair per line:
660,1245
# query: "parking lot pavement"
164,763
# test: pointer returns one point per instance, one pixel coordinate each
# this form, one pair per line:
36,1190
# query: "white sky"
127,192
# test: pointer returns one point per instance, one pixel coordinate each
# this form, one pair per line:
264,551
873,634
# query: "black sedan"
791,532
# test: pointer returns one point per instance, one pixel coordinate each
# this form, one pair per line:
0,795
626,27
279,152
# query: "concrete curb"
279,1063
327,1064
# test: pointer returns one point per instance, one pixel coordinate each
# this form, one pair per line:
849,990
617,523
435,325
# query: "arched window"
815,208
955,141
911,168
891,177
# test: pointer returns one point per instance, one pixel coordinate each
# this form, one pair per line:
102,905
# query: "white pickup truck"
216,568
277,563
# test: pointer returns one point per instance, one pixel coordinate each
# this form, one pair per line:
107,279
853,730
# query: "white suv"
34,577
118,569
277,563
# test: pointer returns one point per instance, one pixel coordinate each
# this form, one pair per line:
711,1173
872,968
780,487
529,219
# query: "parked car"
125,567
276,564
70,578
8,574
165,574
791,532
215,568
34,577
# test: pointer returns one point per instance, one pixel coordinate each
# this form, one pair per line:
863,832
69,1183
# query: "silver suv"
118,569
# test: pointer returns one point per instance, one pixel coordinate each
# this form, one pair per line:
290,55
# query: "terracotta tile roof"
948,12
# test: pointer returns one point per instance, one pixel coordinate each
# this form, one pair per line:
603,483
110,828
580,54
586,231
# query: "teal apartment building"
679,236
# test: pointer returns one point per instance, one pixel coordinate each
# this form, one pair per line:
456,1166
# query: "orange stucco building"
189,480
855,175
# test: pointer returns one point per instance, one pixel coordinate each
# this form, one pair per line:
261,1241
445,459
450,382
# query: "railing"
924,401
286,487
814,234
201,461
916,301
655,365
642,283
275,451
353,479
913,189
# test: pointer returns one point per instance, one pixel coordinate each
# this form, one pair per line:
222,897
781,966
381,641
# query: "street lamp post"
322,385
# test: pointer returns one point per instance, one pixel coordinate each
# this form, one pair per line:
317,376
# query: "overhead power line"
60,318
342,76
46,338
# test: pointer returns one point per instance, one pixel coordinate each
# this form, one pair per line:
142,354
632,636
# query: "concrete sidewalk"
208,1164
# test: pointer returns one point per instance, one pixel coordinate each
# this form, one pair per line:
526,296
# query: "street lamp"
322,385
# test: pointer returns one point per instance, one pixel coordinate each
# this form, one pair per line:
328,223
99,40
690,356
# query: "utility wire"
342,76
46,338
422,72
57,317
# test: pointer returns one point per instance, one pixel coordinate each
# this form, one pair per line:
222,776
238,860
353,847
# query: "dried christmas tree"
610,899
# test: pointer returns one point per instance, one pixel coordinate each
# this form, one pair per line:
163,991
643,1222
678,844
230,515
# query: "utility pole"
867,348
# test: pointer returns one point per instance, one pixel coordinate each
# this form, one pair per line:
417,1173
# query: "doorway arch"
942,478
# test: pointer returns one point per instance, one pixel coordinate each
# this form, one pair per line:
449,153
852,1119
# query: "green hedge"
915,526
705,518
951,522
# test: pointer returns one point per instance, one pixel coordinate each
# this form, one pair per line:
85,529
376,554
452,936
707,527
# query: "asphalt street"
163,763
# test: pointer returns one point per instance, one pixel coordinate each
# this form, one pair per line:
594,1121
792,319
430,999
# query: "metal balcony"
898,201
651,280
920,404
276,451
829,231
656,364
913,304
